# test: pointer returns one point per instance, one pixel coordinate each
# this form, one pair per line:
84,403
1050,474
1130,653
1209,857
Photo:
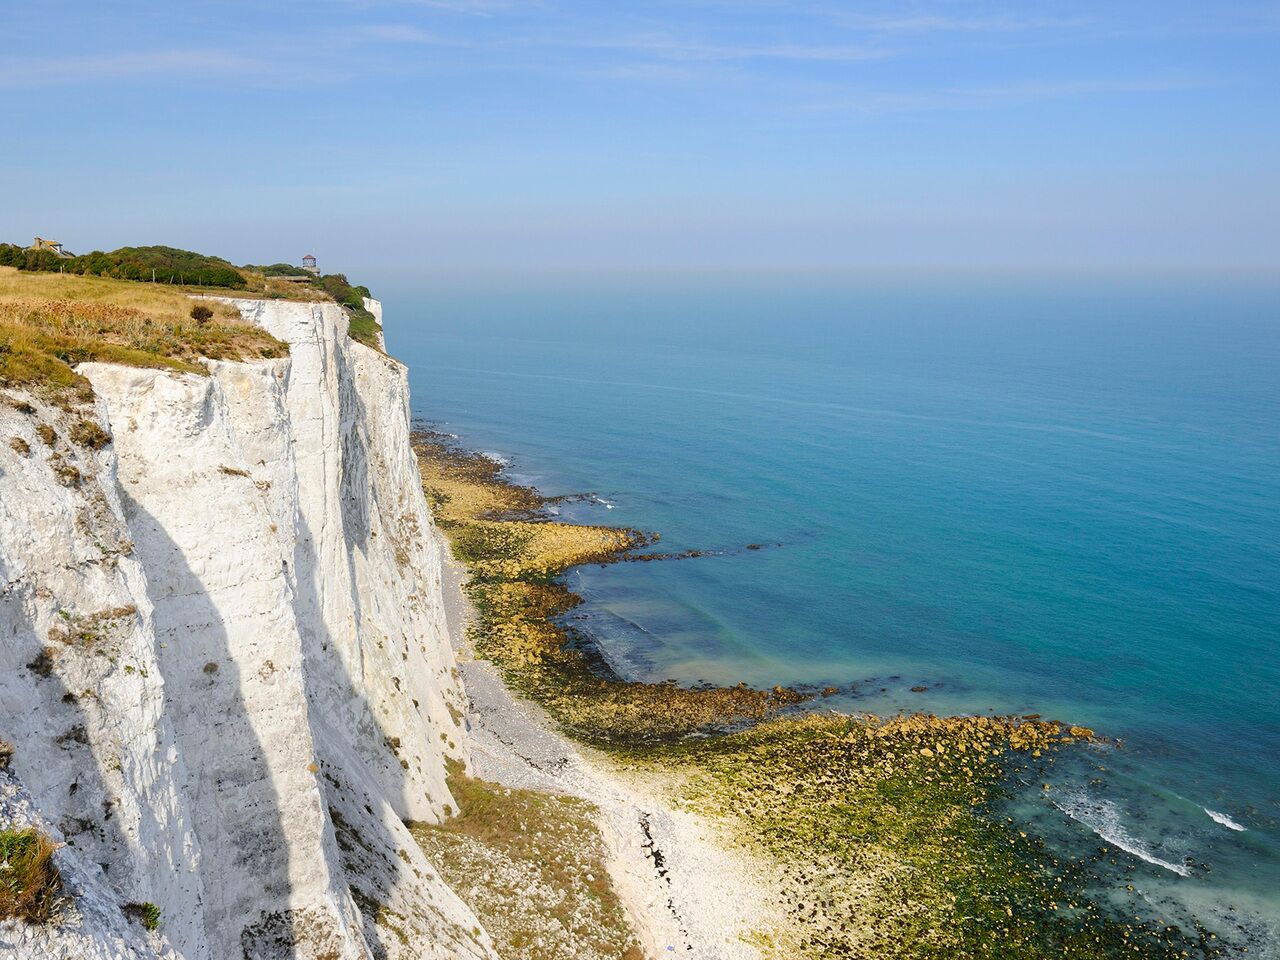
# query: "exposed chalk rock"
223,657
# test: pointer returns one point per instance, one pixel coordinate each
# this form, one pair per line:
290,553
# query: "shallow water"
1060,498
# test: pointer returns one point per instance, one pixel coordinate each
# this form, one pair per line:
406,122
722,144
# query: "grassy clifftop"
170,266
133,306
50,322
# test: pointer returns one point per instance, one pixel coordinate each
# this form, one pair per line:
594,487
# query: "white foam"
1103,818
1223,819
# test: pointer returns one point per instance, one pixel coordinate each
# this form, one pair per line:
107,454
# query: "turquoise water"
1026,496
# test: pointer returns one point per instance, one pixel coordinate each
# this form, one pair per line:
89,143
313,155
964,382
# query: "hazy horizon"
397,139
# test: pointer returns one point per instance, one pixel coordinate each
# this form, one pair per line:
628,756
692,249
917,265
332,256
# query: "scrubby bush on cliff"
278,270
363,326
338,287
147,914
29,881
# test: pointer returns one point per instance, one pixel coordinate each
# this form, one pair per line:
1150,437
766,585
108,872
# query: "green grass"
29,882
148,914
363,328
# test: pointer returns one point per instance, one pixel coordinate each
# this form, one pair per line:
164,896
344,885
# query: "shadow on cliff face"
54,753
356,781
364,776
235,808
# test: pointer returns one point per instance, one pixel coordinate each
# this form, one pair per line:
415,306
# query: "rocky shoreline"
739,827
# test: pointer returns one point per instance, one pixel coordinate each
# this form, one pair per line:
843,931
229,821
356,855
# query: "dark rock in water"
830,691
753,546
919,689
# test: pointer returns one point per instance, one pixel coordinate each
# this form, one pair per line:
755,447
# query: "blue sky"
412,136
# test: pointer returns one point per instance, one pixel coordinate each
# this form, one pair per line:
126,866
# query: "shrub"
87,433
29,882
201,314
162,264
363,328
67,475
148,914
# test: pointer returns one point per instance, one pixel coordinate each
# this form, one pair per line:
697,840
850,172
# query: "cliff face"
223,658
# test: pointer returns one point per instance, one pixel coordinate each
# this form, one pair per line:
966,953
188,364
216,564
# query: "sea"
1025,494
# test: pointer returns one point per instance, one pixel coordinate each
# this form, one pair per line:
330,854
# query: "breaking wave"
1103,818
1223,819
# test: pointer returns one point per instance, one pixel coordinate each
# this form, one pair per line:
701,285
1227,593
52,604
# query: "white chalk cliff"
224,664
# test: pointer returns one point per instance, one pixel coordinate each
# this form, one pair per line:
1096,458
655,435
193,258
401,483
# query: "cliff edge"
225,667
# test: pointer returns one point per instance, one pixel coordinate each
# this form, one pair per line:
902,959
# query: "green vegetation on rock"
888,843
148,914
363,326
29,882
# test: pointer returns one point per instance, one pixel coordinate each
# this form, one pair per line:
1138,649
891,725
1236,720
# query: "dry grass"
273,288
29,882
158,300
148,296
50,322
90,629
531,865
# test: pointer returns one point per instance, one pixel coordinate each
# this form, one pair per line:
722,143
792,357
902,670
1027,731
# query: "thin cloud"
670,48
475,8
949,24
43,71
404,33
977,98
